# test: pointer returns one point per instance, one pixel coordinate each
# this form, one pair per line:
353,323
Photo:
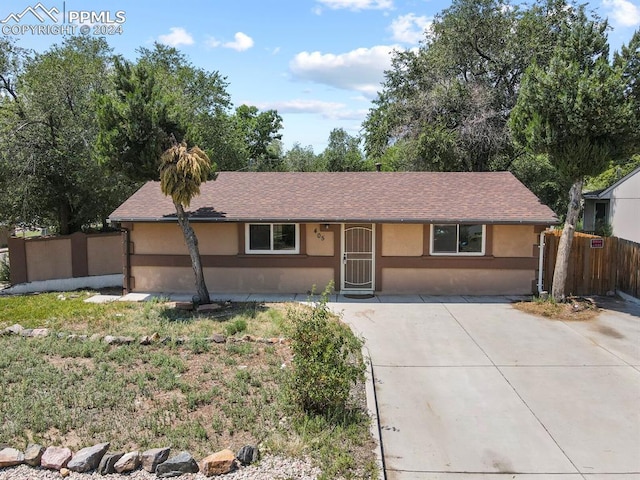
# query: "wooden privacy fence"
595,271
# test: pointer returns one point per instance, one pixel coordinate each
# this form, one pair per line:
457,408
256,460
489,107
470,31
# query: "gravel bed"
269,468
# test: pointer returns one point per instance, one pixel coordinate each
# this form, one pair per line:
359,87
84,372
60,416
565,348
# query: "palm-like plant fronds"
182,171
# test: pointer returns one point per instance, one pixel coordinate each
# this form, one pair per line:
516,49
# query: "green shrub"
327,360
238,325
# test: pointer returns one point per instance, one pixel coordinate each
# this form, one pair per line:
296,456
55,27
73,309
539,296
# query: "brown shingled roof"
425,197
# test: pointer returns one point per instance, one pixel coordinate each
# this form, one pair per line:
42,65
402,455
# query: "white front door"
358,247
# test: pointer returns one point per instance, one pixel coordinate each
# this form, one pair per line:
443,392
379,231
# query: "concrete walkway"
470,388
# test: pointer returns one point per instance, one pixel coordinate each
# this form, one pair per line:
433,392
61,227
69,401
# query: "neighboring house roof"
412,197
605,193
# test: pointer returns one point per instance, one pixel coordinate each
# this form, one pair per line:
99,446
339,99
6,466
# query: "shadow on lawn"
227,311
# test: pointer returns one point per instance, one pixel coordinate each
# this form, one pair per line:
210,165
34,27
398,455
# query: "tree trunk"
192,244
564,247
64,216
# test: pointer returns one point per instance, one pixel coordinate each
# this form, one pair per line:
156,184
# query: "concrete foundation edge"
628,298
65,284
372,407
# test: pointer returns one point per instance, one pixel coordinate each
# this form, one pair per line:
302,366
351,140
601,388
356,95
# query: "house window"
457,239
272,238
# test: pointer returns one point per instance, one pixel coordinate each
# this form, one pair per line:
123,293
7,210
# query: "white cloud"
356,5
410,28
178,36
241,43
361,70
328,110
212,42
623,12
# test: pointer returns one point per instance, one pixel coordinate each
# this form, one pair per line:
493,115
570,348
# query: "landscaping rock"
219,463
55,458
64,472
154,457
108,462
187,306
88,458
33,454
113,340
176,466
209,307
248,454
14,329
217,338
128,462
145,340
95,337
26,332
10,457
39,332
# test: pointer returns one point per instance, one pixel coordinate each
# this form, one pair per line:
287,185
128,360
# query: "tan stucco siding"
167,238
457,281
402,240
514,240
232,280
47,259
319,241
104,255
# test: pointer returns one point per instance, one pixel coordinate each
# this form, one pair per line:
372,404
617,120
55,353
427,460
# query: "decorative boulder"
154,457
219,463
128,462
55,458
178,465
88,458
10,457
33,454
108,462
248,454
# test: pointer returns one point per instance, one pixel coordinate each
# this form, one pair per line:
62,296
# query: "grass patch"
68,312
197,396
574,309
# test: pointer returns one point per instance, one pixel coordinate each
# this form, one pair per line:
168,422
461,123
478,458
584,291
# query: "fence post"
79,257
18,260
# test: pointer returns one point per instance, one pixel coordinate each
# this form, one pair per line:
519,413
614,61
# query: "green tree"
577,111
48,127
302,159
140,127
258,133
201,104
182,171
343,152
445,106
136,123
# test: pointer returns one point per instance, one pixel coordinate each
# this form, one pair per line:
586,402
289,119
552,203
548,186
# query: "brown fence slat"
595,271
628,267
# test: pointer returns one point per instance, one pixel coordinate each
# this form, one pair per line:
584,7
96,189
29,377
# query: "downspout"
126,260
540,263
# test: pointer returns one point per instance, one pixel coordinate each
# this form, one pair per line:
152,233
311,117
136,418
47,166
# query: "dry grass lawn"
575,309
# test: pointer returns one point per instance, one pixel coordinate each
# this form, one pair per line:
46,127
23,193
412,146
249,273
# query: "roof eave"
485,221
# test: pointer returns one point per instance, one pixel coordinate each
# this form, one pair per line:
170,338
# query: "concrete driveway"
474,389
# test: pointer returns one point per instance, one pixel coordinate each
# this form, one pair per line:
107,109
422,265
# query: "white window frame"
271,251
458,254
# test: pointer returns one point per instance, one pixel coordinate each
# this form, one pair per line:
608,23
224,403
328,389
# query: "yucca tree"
182,171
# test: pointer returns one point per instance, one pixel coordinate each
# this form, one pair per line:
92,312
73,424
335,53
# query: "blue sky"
318,62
